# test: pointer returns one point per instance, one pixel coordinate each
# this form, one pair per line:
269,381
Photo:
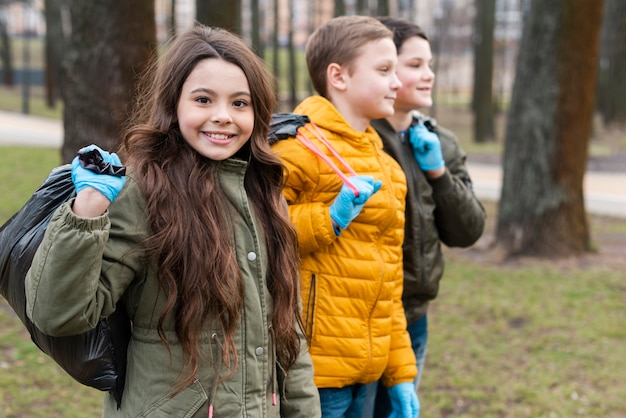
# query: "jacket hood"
326,116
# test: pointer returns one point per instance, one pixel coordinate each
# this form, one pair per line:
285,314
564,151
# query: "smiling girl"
195,243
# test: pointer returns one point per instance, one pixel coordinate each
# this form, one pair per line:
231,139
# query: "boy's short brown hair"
339,41
402,30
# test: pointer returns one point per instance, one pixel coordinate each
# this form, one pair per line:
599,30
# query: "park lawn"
520,340
530,341
31,384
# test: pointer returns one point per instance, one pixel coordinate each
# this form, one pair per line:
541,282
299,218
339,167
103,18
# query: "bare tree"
5,54
383,8
220,13
482,99
340,8
612,76
255,30
173,28
362,7
441,31
109,45
275,45
541,210
55,45
293,76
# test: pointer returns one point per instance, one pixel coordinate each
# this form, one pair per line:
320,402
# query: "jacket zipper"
310,309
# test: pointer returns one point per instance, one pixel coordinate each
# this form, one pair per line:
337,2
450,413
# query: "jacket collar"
326,116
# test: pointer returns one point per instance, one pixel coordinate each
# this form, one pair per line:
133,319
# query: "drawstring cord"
217,374
319,135
273,368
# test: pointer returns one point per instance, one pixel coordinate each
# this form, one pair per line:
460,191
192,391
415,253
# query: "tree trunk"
612,76
311,26
173,25
5,55
442,29
383,7
362,7
412,7
55,45
110,44
275,33
482,100
340,8
220,13
541,210
293,79
255,28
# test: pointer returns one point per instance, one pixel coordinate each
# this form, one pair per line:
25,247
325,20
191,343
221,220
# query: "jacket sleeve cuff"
80,223
443,184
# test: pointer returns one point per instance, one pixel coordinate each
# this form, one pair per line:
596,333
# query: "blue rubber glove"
404,401
347,206
426,148
106,184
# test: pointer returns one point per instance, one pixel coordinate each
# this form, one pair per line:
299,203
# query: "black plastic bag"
96,358
285,125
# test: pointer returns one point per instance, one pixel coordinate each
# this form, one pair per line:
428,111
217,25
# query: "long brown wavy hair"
198,271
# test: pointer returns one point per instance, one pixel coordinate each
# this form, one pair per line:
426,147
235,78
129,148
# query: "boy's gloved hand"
404,401
106,184
347,206
426,148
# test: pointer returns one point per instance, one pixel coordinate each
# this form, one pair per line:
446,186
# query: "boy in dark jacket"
440,205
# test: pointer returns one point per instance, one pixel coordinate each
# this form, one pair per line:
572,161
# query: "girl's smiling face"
214,111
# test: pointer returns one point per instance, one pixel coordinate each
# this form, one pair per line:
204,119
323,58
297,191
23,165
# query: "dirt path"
608,237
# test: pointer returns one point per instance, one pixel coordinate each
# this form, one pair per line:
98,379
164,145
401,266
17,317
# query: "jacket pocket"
185,404
309,319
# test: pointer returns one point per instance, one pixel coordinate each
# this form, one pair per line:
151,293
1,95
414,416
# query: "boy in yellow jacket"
346,198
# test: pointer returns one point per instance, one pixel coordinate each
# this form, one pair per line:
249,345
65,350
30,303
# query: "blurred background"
530,320
29,52
538,87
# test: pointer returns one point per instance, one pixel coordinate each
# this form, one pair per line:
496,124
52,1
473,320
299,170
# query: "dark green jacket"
85,266
443,210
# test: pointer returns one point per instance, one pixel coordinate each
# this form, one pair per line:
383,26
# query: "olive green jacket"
85,266
444,210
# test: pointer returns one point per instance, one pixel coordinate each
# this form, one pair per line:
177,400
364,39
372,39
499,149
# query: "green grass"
534,341
22,170
36,51
11,97
282,73
31,384
11,100
523,340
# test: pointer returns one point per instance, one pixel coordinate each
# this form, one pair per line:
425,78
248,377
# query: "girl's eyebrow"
210,91
202,90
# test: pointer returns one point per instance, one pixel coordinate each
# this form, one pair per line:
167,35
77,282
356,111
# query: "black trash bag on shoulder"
285,125
96,358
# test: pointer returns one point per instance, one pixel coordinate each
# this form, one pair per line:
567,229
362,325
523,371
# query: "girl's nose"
221,115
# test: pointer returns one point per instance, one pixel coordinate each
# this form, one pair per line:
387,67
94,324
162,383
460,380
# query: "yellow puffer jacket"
351,283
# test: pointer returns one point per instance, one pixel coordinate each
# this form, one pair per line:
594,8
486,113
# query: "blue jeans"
347,402
418,331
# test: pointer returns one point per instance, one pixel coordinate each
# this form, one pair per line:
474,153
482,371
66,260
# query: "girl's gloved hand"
347,206
108,185
404,401
426,148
